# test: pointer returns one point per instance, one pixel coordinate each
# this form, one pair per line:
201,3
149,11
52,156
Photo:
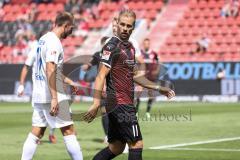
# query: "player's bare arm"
51,76
85,67
22,80
140,79
68,81
24,74
98,88
156,71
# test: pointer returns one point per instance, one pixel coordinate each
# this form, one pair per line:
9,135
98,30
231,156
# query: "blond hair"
127,13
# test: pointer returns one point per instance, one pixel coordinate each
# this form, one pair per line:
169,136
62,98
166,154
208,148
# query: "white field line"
195,143
203,149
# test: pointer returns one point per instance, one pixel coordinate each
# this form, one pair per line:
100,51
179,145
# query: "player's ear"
134,25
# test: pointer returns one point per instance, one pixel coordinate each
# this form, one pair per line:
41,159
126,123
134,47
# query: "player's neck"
57,31
125,40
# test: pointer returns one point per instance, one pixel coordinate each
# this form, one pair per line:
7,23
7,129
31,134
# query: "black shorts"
123,124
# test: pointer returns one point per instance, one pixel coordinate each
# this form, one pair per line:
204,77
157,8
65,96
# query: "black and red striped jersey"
119,56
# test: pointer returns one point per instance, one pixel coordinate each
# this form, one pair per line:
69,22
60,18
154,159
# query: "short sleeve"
95,58
53,52
107,54
156,57
30,58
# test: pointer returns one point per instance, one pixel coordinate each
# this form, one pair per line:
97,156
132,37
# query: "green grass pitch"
172,123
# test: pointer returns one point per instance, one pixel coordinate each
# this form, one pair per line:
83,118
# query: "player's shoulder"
50,37
154,52
111,44
45,36
97,54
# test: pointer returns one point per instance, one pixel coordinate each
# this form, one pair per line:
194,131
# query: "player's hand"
75,84
54,107
91,113
20,90
169,93
75,87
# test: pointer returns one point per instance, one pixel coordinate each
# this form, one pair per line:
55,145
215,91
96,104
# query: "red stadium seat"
203,17
149,5
158,5
139,5
9,17
211,4
15,8
230,22
225,30
61,1
6,54
105,14
202,4
7,8
69,50
113,6
41,7
210,22
19,59
42,16
59,7
151,14
235,30
20,1
97,24
51,7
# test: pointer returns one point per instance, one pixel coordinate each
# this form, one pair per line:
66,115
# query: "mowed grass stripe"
210,121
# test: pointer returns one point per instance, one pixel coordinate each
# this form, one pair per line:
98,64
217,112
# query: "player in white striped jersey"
20,91
49,99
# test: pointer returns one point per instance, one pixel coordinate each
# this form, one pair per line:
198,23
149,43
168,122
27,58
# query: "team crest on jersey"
41,42
53,53
106,55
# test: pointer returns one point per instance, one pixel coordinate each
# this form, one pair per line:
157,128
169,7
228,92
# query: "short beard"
64,35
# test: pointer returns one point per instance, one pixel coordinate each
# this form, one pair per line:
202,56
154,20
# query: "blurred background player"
152,69
203,44
96,58
20,91
50,102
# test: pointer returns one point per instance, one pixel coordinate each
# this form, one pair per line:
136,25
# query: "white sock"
29,147
73,147
51,131
126,149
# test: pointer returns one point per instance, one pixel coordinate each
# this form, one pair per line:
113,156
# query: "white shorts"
42,118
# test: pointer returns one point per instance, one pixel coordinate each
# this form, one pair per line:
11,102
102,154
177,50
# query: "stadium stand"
39,16
202,18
